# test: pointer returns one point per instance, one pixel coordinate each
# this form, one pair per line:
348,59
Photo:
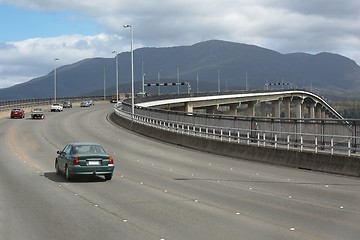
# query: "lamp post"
218,72
56,59
178,79
142,77
117,76
105,66
197,82
159,70
132,70
246,82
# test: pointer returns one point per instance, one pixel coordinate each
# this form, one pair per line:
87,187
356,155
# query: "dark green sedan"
84,159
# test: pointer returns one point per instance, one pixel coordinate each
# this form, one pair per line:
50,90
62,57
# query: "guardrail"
280,135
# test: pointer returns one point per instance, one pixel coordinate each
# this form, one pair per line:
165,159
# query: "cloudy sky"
35,32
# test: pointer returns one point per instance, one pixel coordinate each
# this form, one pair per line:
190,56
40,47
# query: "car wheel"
58,172
108,176
68,174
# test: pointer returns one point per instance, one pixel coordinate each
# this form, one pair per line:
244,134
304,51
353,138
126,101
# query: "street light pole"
105,82
197,82
132,70
117,76
159,81
56,59
178,79
218,72
142,77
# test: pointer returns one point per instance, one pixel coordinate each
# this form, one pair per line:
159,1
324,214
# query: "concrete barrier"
335,164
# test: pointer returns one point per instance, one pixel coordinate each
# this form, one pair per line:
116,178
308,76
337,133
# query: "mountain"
235,65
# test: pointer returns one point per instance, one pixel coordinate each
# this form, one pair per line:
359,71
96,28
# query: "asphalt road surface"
159,191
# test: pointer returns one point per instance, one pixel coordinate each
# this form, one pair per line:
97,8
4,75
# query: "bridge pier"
318,111
189,107
311,109
299,108
276,108
287,107
251,108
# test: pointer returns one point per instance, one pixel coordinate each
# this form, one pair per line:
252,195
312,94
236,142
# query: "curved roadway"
159,191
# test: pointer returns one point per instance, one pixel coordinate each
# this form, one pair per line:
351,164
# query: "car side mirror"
59,152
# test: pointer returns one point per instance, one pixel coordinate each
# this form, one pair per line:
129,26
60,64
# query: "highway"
159,191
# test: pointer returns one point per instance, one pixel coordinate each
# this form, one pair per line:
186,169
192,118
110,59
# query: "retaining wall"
335,164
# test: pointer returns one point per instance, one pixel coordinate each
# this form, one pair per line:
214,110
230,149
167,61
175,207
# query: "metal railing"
331,137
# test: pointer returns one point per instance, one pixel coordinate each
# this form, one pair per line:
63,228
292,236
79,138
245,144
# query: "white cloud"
282,25
23,60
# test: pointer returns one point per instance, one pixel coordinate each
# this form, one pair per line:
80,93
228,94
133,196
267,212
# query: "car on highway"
37,113
17,113
56,107
85,104
67,104
84,159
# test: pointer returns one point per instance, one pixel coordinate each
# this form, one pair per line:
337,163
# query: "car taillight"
76,161
111,160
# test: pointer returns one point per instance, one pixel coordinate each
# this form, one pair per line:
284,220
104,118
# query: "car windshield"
88,149
55,104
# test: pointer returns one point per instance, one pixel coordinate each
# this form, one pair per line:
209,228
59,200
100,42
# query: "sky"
35,32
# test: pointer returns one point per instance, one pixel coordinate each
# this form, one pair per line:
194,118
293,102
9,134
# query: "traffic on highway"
157,190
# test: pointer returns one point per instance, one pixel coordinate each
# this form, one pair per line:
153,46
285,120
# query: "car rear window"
88,149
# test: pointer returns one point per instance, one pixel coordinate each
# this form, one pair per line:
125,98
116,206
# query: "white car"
56,107
85,104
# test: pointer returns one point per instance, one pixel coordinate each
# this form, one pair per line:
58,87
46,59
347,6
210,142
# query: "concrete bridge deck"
292,103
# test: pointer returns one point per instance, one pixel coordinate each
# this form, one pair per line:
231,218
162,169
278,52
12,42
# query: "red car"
17,113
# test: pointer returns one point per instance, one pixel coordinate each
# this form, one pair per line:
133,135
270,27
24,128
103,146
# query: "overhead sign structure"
278,84
169,84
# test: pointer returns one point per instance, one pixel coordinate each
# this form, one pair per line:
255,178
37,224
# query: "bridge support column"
311,108
287,107
299,108
233,109
276,108
251,108
189,107
318,112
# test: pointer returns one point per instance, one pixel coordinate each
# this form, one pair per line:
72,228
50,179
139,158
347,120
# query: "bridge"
317,138
303,103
